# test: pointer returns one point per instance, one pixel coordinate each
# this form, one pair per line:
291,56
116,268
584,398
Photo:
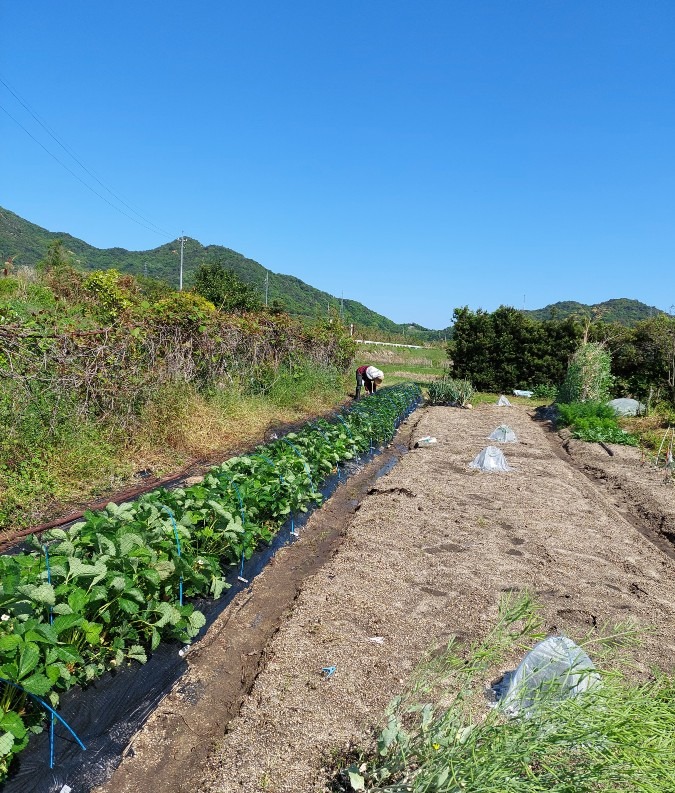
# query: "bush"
545,391
595,430
569,414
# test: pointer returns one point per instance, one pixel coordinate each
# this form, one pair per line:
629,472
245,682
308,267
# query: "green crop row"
110,588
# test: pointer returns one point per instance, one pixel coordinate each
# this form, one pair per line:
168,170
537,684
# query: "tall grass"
618,736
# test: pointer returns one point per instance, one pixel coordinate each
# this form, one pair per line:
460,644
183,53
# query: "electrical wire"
72,154
82,181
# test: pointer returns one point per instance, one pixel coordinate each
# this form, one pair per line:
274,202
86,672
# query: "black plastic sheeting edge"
110,711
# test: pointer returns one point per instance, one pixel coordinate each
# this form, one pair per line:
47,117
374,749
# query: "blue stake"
51,622
54,715
240,577
175,532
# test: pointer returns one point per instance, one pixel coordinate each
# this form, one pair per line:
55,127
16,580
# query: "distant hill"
621,310
28,243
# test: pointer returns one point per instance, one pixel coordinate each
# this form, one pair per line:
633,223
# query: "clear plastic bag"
503,434
503,402
553,670
490,459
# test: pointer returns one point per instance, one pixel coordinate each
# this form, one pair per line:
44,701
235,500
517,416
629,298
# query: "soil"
392,568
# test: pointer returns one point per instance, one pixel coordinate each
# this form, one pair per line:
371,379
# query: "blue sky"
416,156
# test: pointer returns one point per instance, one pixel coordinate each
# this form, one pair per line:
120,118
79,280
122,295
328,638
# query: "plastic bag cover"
503,434
627,407
503,401
554,669
517,392
491,459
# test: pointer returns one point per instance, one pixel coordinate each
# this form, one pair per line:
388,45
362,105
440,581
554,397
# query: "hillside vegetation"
103,375
621,311
25,244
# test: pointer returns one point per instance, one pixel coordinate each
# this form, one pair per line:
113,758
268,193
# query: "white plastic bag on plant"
491,459
553,670
503,434
503,402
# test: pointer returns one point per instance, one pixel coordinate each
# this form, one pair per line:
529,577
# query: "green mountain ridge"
27,244
622,310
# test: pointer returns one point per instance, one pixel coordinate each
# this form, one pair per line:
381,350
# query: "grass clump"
450,392
617,736
588,377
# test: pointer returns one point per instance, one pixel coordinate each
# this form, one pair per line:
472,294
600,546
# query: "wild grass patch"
441,736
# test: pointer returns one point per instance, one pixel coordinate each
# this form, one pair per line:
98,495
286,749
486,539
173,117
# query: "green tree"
225,289
506,349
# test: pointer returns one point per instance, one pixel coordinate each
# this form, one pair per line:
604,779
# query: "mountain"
621,310
28,243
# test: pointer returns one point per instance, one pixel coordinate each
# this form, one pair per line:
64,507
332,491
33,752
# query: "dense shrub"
545,391
501,350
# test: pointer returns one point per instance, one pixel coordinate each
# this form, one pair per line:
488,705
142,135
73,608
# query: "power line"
72,154
79,179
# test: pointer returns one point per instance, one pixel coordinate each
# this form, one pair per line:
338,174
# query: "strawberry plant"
110,588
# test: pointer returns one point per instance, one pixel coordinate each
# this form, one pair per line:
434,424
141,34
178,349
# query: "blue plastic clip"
328,671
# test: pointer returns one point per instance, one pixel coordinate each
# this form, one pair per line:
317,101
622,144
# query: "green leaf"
118,583
28,659
130,541
106,545
128,606
68,654
169,615
65,622
137,653
37,684
151,575
78,569
77,599
6,743
40,593
9,642
197,620
356,780
13,723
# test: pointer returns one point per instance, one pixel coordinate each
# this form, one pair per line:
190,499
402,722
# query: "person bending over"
370,377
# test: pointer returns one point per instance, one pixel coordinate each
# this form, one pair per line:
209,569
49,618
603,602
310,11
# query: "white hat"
373,373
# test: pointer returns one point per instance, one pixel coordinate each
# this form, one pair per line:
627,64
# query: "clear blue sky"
415,155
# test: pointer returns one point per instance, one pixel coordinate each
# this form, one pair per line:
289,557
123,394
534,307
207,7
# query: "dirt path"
425,557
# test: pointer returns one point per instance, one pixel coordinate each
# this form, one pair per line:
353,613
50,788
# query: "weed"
615,737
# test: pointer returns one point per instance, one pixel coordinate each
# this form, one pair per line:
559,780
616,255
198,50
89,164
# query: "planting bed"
391,569
99,595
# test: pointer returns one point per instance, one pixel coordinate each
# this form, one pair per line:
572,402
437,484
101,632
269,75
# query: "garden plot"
426,557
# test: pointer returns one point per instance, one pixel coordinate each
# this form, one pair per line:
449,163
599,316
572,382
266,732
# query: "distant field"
401,363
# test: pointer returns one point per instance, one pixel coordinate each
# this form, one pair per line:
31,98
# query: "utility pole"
180,278
267,285
342,305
